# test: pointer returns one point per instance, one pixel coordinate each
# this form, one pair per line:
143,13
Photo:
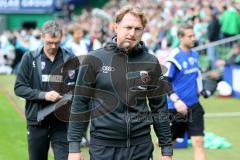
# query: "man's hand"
52,96
166,158
75,156
179,104
181,107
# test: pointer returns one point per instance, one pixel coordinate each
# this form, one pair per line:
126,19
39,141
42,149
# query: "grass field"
13,128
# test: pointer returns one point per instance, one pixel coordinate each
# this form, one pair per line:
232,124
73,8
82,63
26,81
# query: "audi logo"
107,69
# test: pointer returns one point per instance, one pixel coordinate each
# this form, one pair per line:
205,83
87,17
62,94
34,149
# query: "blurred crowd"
212,20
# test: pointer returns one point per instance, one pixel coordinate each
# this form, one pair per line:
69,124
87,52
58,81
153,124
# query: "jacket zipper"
127,114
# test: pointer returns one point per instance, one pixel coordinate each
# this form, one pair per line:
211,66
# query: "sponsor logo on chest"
107,69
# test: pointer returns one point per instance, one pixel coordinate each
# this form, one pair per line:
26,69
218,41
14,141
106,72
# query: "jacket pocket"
31,110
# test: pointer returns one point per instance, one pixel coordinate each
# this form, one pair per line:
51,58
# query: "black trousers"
193,122
139,152
40,138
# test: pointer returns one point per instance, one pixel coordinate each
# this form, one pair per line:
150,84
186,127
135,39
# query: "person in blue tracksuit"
186,112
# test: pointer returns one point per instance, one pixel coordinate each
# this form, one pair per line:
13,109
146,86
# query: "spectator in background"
98,33
35,39
213,29
230,21
96,38
79,47
66,12
213,32
200,29
233,57
77,43
7,55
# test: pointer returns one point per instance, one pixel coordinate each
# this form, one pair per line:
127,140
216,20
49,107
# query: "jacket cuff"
74,147
167,151
42,95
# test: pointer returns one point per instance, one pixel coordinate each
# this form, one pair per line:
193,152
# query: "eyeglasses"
52,43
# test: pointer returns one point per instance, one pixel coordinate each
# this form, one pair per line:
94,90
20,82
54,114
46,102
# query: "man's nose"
193,38
132,32
54,45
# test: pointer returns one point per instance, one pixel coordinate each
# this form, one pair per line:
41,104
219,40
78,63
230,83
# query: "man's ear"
42,36
115,27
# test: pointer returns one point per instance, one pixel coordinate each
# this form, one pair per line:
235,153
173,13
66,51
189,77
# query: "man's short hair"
133,10
52,27
182,28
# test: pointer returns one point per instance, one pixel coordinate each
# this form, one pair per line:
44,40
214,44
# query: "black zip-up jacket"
29,82
110,90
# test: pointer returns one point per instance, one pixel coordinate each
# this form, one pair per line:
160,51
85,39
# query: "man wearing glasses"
38,70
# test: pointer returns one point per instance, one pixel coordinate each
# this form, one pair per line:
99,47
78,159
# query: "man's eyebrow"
133,26
53,41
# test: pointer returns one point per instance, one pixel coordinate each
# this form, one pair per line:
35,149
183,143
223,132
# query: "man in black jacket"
40,82
116,86
213,33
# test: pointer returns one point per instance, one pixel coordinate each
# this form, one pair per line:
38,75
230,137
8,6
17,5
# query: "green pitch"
13,127
13,132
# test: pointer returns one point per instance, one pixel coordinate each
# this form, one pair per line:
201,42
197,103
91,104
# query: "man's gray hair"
52,27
